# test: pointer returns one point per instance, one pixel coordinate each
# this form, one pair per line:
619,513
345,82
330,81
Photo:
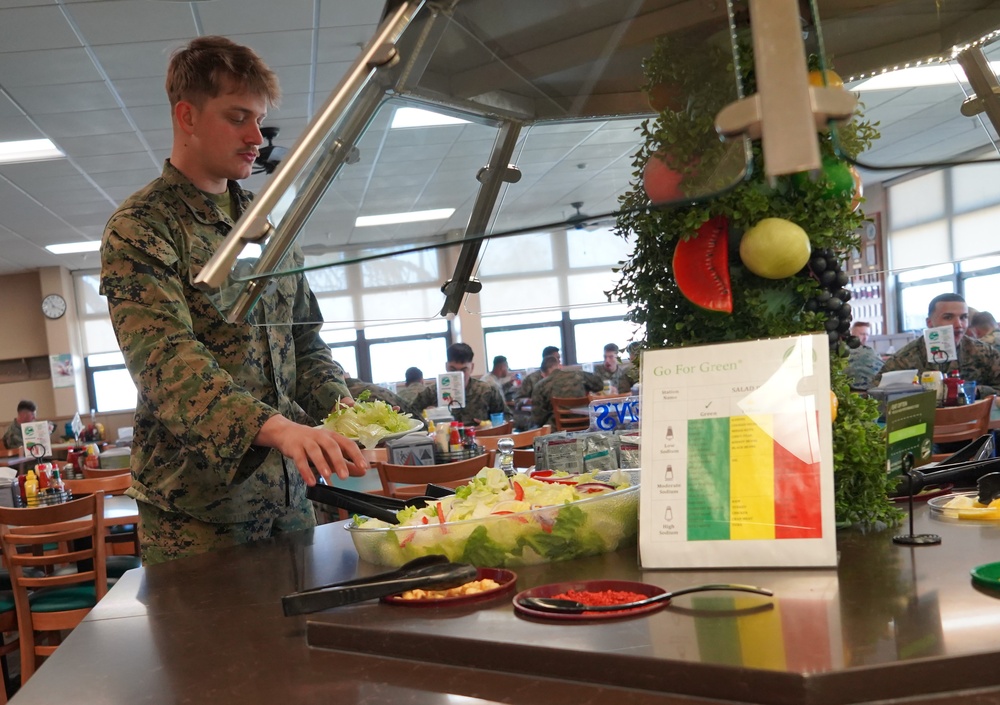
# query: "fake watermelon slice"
701,267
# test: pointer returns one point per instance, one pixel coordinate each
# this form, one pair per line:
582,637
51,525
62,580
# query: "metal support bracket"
786,111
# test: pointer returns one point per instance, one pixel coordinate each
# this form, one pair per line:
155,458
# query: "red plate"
506,578
553,589
927,493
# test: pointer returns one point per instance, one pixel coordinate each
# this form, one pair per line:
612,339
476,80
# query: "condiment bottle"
31,489
57,484
470,438
952,383
455,440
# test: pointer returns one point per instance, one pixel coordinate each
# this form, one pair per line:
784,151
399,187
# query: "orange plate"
506,578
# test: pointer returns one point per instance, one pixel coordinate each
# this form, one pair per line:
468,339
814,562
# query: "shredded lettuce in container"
368,421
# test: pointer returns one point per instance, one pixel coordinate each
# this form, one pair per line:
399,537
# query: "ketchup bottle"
952,383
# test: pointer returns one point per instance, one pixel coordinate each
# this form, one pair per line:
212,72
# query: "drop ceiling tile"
343,43
48,67
100,145
102,163
231,16
60,126
18,127
278,48
133,178
130,21
151,117
73,97
136,92
33,28
137,59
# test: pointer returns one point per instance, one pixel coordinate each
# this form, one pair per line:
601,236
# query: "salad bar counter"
891,623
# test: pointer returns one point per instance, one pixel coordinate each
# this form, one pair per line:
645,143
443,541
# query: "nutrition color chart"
737,456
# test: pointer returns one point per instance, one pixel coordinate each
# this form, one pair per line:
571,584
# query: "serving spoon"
555,604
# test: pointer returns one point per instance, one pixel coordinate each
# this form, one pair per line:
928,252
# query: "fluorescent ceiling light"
69,248
415,117
364,221
918,76
28,151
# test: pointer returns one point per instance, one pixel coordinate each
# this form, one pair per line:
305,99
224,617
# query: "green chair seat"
122,529
76,597
6,602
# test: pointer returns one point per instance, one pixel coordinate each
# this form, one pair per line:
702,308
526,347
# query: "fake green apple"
775,248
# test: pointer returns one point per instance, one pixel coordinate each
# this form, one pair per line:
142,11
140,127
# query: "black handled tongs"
963,468
371,505
428,572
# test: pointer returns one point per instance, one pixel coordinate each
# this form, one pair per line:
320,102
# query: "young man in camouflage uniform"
558,382
481,398
414,385
863,363
977,362
613,371
225,438
529,382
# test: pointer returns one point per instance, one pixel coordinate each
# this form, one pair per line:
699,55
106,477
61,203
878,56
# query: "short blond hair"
210,66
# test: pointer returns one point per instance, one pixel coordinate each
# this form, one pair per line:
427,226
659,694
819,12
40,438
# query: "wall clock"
53,306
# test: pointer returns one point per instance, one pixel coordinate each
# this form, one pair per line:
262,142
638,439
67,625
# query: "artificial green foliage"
683,136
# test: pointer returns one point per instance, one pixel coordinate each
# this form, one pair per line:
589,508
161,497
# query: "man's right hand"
309,448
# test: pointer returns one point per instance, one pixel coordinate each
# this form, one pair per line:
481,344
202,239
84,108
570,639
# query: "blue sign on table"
614,415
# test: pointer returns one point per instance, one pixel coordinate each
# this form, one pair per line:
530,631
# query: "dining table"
889,623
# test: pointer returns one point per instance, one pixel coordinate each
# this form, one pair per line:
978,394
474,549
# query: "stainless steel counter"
890,622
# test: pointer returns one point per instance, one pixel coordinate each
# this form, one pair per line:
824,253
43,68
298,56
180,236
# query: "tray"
970,515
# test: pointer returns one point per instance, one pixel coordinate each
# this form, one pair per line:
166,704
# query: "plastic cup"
496,419
970,391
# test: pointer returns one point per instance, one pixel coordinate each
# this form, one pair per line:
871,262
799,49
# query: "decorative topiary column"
757,259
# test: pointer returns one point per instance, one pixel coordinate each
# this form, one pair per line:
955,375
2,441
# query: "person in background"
863,363
499,376
414,385
529,382
375,391
983,327
613,370
227,433
557,382
977,361
12,438
482,399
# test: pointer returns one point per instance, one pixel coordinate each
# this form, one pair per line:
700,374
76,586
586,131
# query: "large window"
567,274
942,238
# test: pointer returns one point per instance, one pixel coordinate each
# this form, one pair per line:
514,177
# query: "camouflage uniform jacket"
560,383
528,384
207,386
12,438
976,362
619,378
992,338
481,400
409,394
863,363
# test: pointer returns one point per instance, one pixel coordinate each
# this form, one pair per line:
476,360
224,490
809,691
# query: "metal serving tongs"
964,468
427,572
371,505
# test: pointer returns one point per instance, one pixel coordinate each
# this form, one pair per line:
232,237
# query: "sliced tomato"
407,538
518,490
541,473
425,520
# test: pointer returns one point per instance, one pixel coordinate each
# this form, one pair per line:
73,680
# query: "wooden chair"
69,596
8,623
404,481
566,420
525,439
127,536
957,424
91,473
501,430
